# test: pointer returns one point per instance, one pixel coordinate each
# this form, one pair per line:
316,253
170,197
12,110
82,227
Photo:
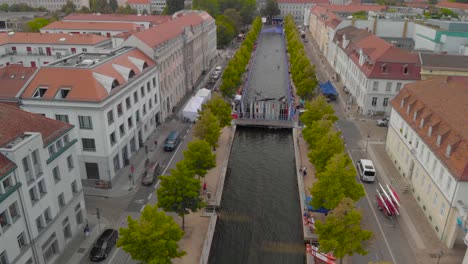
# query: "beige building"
437,65
428,142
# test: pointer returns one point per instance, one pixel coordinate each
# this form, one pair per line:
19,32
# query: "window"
39,93
398,87
110,117
84,49
122,130
448,151
7,184
47,215
375,86
405,69
155,98
137,116
74,187
42,187
3,258
70,162
21,240
40,50
79,214
154,82
92,170
135,97
150,104
62,93
59,144
50,248
148,87
128,103
130,122
142,91
385,101
4,222
144,109
374,101
39,223
88,144
66,138
13,212
85,122
119,110
56,174
112,138
389,87
439,140
116,163
132,145
384,68
61,200
33,195
63,118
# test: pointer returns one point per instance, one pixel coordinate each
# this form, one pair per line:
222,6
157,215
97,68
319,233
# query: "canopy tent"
328,90
190,111
312,209
204,93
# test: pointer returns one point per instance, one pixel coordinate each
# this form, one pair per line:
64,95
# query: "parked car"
103,245
383,122
153,170
215,76
172,141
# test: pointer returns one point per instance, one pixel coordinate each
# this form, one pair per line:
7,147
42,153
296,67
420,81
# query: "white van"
366,170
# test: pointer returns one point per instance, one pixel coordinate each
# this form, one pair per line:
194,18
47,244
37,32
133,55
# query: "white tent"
190,111
204,93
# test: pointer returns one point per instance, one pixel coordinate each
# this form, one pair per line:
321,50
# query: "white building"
183,48
373,70
144,21
141,6
41,198
36,49
97,28
428,142
51,5
112,99
297,8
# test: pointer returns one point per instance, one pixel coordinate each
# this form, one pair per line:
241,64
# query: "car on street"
172,141
215,76
383,122
150,175
103,245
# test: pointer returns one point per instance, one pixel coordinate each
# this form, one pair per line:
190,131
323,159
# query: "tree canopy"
271,9
221,109
329,145
68,7
342,233
153,238
36,24
173,6
318,109
207,128
199,158
180,192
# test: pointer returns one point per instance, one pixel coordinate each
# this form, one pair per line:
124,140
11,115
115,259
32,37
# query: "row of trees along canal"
336,188
153,238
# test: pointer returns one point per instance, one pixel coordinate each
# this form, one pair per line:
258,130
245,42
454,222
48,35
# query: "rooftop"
153,19
50,38
441,102
135,2
444,61
452,5
319,2
12,79
87,77
116,26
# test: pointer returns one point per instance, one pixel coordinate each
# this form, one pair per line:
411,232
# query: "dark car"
172,140
151,174
104,245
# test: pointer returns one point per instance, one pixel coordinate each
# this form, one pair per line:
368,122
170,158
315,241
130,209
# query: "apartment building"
373,70
428,142
112,99
41,199
140,6
36,49
183,48
12,78
97,28
51,5
297,8
144,21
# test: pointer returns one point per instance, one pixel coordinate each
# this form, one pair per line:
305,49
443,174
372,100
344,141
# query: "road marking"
375,216
113,255
149,196
142,208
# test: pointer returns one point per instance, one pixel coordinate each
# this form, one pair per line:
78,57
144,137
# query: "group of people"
309,221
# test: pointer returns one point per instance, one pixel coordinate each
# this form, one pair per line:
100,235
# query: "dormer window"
62,93
429,131
131,74
402,103
145,65
408,108
415,115
384,68
421,123
115,83
405,69
448,151
39,93
439,139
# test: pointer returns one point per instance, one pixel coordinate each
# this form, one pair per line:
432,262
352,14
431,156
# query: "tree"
173,6
68,8
198,157
221,109
37,23
144,12
207,128
342,233
314,132
248,10
113,5
4,7
235,17
329,145
180,192
84,10
335,183
318,109
126,10
360,14
225,30
210,6
271,9
152,238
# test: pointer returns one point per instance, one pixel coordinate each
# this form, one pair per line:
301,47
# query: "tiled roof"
50,38
352,8
303,2
15,122
12,79
171,29
452,5
153,19
5,165
89,84
116,26
444,61
326,16
140,2
442,102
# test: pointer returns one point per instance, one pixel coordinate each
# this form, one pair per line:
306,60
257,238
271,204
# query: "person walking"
304,171
204,188
86,230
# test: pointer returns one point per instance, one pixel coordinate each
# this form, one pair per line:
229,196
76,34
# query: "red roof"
352,8
5,165
116,26
83,83
12,79
171,29
452,5
15,122
51,38
303,2
153,19
138,2
326,16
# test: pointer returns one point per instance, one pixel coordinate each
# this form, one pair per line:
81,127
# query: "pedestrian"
155,143
304,171
204,187
86,230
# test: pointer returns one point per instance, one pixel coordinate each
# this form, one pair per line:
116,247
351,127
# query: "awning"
312,209
328,89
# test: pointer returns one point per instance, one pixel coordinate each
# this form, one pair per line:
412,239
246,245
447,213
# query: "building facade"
440,65
36,49
184,48
51,5
144,21
373,70
96,28
297,8
112,99
141,6
428,142
41,199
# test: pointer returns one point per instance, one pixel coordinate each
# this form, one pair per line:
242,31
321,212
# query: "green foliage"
335,183
210,6
342,233
318,109
199,158
37,23
4,7
100,6
84,10
270,10
113,5
312,133
247,11
20,8
173,6
180,192
152,238
234,16
207,128
221,109
126,10
360,15
225,30
68,8
327,146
